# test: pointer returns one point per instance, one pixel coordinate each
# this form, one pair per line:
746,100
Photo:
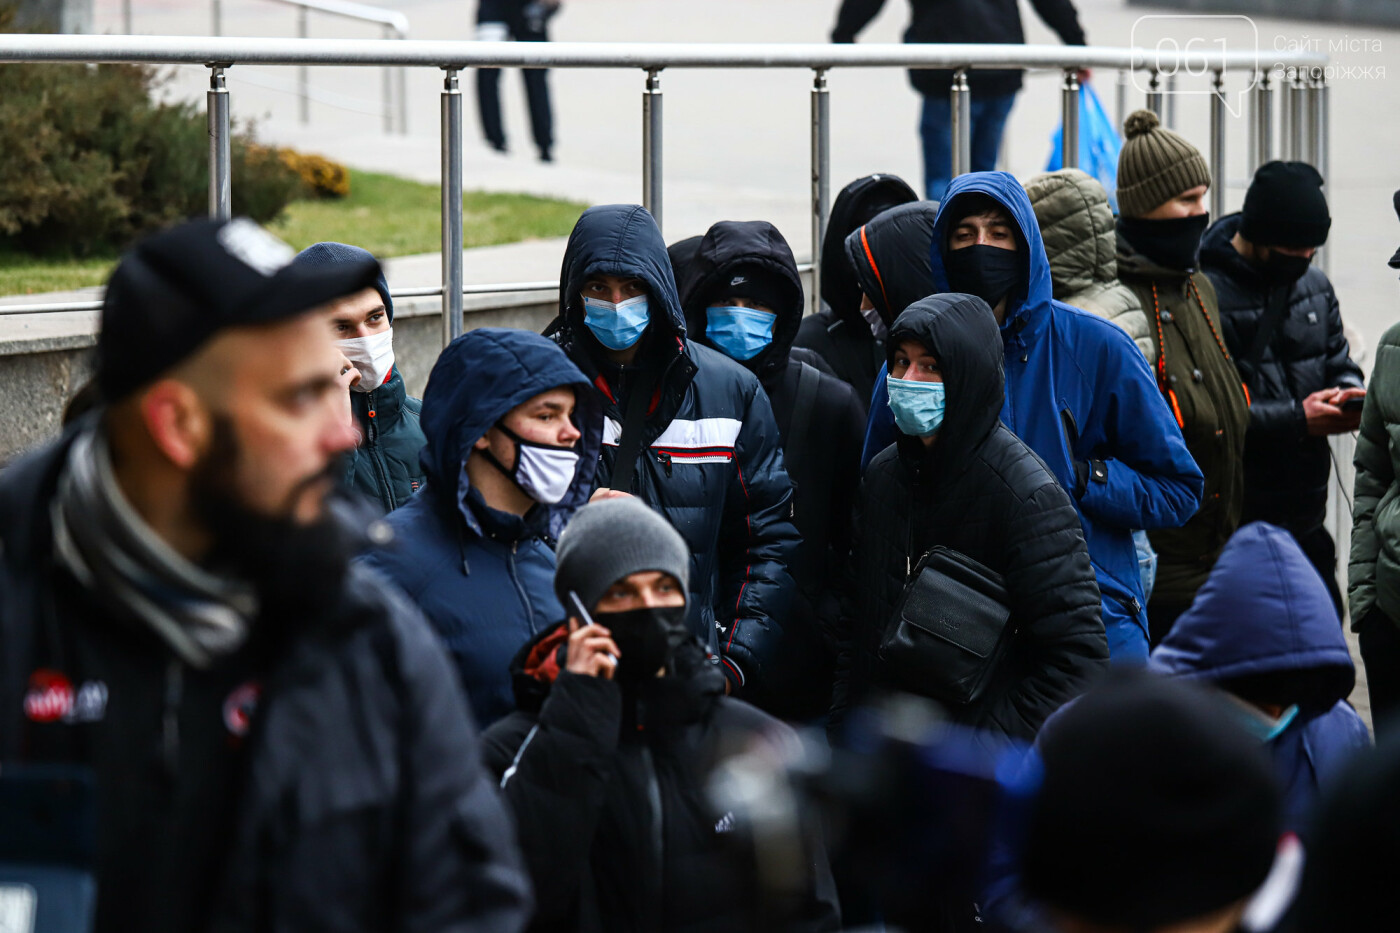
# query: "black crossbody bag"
951,630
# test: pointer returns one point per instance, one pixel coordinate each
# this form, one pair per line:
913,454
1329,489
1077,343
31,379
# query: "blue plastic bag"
1099,144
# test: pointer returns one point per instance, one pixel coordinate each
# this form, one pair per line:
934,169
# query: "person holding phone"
621,717
1280,318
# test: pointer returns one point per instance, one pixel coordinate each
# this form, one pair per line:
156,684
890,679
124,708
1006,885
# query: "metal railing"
1305,111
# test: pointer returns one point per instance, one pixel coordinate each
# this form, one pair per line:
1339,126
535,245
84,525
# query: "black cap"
1285,206
1156,806
755,283
176,289
1395,203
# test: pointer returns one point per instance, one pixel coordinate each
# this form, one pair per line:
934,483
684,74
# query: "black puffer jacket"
821,449
363,804
901,275
1285,468
838,333
964,21
711,460
608,790
980,491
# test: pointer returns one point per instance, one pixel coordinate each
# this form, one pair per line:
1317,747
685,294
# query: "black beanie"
754,283
1285,206
1156,807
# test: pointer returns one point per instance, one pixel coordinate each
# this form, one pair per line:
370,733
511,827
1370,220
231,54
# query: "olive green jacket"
1205,393
1076,224
1373,575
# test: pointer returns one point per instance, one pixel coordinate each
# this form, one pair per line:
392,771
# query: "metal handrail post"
1154,95
821,176
216,14
451,207
386,79
651,144
1217,145
220,162
126,17
303,74
1168,117
403,91
961,106
1315,88
1324,148
1069,119
1262,124
1293,150
1120,109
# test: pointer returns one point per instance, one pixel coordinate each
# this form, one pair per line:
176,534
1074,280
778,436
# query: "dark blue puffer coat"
1265,610
712,461
484,578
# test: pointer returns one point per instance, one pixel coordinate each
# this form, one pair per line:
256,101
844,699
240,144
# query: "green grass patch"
386,215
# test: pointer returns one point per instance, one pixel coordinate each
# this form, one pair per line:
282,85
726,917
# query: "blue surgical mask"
617,326
917,406
740,333
1264,727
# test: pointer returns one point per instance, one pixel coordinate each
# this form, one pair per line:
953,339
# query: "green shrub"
89,161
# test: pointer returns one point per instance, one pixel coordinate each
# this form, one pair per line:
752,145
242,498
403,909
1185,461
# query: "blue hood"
622,240
1004,187
1263,610
480,377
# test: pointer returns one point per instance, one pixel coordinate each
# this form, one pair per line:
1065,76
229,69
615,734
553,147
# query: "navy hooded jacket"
1078,390
711,460
1265,611
485,578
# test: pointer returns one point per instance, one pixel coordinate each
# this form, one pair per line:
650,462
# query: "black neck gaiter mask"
646,639
989,272
1283,269
1172,243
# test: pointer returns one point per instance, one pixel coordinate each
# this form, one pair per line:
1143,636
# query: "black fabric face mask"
646,639
1172,243
1283,269
989,272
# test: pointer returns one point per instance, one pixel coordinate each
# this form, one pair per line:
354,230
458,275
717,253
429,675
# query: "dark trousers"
488,80
1380,653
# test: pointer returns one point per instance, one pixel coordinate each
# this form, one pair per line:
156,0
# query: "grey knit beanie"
605,541
1155,165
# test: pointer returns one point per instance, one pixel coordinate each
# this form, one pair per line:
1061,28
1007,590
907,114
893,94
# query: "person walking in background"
1283,326
993,92
385,465
1162,185
852,343
523,21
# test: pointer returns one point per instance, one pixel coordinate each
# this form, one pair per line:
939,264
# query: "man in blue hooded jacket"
687,430
1264,630
1078,392
513,433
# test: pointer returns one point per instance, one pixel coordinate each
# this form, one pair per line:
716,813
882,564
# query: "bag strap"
1276,307
801,421
629,445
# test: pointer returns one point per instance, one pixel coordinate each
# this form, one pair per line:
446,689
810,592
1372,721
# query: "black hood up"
755,246
890,256
961,331
857,204
1217,252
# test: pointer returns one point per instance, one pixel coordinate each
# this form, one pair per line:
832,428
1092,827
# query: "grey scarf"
109,548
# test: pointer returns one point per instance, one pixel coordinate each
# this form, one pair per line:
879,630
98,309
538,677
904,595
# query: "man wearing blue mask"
1078,392
742,295
687,430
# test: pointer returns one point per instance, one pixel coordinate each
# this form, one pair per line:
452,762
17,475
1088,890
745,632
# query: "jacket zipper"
665,460
381,470
520,590
658,839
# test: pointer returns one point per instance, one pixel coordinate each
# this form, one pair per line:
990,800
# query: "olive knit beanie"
1155,165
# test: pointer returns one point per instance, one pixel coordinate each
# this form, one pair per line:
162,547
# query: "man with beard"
275,740
1162,185
1280,319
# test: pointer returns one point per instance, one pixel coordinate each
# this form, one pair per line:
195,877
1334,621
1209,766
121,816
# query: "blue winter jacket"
484,578
1264,611
1078,389
712,461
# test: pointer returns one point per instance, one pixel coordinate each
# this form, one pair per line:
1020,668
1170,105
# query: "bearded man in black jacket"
957,477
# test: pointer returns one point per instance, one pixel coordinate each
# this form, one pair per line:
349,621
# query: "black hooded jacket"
608,789
711,460
838,333
822,425
980,491
900,276
1285,467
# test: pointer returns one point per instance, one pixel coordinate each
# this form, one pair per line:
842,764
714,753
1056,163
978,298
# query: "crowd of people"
308,653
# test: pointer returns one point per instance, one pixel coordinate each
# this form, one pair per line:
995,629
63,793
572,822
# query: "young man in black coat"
1281,321
274,738
620,723
742,296
852,344
957,477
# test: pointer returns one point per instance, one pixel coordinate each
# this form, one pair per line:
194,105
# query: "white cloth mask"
373,356
544,473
